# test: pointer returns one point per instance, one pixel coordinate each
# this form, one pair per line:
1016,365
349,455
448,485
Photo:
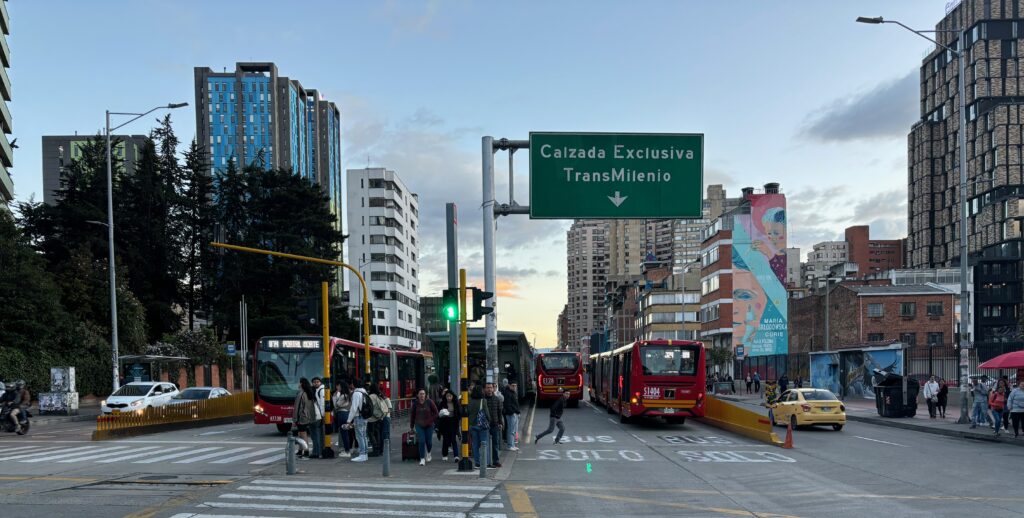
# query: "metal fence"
234,405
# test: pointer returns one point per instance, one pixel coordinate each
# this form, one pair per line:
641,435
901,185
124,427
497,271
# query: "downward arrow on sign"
617,200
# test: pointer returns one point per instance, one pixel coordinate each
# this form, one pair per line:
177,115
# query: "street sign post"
615,175
230,348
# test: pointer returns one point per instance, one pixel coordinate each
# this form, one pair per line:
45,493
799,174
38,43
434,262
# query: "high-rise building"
562,327
60,150
587,266
383,226
994,43
6,151
254,116
872,255
793,279
821,259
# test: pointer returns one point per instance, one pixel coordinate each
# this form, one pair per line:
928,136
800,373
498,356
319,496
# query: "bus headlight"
259,410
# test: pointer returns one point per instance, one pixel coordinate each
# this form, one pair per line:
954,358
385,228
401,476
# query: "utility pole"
452,222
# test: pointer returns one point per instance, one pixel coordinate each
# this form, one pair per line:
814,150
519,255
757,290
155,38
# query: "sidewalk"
864,410
88,410
435,471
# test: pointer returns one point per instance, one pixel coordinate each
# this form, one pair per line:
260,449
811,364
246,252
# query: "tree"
197,233
719,357
272,210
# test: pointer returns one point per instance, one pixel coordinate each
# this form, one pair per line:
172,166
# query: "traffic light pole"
466,464
452,220
328,452
491,210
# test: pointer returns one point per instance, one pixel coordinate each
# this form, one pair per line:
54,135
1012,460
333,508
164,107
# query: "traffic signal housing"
479,310
450,305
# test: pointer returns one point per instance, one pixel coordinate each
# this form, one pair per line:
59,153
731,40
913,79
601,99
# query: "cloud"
816,215
508,288
887,204
413,17
441,164
884,111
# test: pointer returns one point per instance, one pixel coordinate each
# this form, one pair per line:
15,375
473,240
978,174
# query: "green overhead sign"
616,175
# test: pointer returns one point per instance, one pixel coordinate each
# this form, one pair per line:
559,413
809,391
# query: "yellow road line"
521,503
676,505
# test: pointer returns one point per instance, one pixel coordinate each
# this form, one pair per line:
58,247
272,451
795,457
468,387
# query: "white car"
138,396
198,394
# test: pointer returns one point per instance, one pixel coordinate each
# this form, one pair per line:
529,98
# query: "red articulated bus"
282,360
650,378
557,372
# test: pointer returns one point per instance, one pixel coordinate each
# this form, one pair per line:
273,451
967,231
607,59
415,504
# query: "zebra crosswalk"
286,498
135,453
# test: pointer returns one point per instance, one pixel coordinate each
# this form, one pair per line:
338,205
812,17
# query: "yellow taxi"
809,406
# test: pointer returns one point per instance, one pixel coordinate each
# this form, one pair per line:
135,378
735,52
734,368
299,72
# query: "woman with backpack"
380,421
421,420
360,411
449,417
342,404
304,414
943,398
480,420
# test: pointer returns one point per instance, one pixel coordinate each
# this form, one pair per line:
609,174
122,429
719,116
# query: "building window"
934,309
908,338
934,339
908,309
875,310
876,337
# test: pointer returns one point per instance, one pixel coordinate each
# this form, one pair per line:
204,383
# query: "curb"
974,436
42,420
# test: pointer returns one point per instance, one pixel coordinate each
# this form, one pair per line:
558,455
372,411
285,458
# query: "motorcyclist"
20,403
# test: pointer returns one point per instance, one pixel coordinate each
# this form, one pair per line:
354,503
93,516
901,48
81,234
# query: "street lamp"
965,306
110,231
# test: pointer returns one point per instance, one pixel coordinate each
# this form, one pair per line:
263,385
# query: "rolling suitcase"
410,450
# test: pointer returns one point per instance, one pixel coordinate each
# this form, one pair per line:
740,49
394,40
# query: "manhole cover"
158,477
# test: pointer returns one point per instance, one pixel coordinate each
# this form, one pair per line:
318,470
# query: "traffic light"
479,310
450,304
308,315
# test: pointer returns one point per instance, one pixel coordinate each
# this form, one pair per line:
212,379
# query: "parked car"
809,406
137,396
198,394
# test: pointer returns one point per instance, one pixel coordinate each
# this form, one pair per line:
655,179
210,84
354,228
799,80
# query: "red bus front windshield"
551,362
278,370
669,360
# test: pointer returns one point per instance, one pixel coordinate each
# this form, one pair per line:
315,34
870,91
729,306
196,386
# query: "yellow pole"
464,353
362,282
326,318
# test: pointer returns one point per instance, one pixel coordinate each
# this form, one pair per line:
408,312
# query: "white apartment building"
587,265
821,259
383,244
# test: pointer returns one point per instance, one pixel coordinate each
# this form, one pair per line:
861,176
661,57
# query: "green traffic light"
451,313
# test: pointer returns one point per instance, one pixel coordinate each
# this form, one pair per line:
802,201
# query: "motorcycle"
23,419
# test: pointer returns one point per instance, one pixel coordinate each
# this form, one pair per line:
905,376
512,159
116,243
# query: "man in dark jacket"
555,419
511,405
495,406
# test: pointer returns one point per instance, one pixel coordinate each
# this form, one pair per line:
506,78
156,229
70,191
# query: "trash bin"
889,394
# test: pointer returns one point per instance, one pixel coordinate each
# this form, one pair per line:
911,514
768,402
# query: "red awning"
1014,360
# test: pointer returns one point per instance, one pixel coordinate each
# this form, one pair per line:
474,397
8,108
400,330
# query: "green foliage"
720,356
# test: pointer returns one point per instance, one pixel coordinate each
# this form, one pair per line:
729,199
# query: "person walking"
980,408
997,402
1003,383
422,419
304,414
555,418
357,417
943,398
931,396
379,423
800,382
316,428
494,402
342,403
1015,406
757,382
448,419
480,418
750,382
783,383
511,409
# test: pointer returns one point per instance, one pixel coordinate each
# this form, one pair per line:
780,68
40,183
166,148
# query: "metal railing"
234,405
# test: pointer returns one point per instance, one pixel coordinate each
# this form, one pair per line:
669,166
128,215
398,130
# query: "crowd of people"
362,419
997,404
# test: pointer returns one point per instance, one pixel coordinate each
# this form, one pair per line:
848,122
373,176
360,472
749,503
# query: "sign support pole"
491,319
452,223
328,452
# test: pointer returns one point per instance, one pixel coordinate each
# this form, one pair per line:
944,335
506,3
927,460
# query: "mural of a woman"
773,246
747,306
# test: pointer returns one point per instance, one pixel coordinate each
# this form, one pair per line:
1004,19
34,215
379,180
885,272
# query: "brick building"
858,314
872,255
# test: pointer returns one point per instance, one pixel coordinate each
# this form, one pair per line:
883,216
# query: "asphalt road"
604,469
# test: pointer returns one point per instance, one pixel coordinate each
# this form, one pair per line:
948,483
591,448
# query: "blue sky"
793,92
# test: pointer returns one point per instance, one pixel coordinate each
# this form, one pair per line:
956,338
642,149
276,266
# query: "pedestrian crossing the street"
136,453
285,498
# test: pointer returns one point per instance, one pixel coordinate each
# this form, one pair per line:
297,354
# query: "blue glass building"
254,116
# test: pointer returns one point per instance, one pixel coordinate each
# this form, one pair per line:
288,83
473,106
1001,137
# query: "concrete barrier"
727,416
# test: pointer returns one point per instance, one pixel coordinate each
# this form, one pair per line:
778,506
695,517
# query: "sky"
793,92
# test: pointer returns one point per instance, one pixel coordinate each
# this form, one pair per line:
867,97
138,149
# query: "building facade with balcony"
383,244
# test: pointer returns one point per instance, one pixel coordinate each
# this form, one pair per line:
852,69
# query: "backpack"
481,417
378,407
366,408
